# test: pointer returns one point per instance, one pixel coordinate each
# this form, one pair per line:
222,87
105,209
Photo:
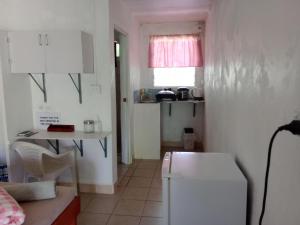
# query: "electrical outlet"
297,115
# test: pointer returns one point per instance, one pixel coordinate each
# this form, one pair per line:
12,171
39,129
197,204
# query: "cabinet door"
27,53
63,51
147,131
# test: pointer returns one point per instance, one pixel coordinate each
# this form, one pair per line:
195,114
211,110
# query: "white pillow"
31,191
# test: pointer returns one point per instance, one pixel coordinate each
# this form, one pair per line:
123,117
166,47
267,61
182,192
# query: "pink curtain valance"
175,51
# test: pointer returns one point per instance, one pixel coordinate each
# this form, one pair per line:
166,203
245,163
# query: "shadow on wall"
250,188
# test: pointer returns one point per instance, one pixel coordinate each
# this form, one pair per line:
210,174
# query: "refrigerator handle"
173,175
166,165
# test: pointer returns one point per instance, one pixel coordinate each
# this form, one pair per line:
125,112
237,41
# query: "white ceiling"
168,5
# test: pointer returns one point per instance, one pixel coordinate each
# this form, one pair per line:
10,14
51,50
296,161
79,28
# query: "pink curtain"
175,51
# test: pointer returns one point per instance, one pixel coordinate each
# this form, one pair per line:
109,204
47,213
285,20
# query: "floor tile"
122,171
139,192
155,194
156,183
139,182
117,195
153,209
135,193
148,165
123,181
151,160
144,173
129,172
101,205
92,219
84,200
124,220
151,221
119,190
129,207
135,163
157,174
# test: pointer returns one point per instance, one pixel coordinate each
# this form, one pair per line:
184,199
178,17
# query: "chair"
40,163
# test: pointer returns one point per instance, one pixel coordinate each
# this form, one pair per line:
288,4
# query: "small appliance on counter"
165,95
183,94
197,94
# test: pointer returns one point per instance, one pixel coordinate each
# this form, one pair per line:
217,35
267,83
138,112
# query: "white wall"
3,141
252,87
2,125
16,109
182,114
91,16
135,69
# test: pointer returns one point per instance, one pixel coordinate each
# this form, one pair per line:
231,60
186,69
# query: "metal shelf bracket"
79,146
170,109
41,87
104,146
77,86
54,146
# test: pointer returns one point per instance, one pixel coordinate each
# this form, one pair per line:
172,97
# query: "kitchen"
168,112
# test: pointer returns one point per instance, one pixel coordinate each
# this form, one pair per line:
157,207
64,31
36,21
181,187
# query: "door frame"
125,106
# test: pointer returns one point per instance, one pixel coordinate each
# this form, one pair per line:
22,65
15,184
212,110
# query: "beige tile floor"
138,200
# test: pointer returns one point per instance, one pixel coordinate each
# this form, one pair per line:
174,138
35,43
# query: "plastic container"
189,139
89,126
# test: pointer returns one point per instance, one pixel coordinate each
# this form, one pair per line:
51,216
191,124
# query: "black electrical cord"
267,176
294,128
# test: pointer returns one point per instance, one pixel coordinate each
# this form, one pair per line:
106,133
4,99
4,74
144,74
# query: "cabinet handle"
40,40
47,41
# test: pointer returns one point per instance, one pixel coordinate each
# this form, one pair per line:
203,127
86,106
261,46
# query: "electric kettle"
197,93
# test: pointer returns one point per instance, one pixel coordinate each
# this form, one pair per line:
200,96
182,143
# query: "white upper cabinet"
27,53
51,52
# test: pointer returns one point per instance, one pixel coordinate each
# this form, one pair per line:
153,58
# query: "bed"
62,210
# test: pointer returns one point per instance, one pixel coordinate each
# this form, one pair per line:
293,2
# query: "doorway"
121,74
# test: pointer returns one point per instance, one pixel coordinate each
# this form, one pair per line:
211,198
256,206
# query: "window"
174,77
174,59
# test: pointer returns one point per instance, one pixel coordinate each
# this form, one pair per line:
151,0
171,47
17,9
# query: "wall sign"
44,119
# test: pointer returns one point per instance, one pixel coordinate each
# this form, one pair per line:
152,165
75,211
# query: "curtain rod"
173,35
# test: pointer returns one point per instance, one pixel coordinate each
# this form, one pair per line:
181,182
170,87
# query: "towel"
11,212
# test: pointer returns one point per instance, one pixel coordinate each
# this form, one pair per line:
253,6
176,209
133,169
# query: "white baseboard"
175,144
172,144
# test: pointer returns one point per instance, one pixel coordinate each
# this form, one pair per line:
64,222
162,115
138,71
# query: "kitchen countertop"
170,102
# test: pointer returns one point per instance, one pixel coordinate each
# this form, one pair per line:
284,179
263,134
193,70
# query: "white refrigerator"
203,189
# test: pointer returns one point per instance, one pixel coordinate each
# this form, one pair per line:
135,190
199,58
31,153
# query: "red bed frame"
69,215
